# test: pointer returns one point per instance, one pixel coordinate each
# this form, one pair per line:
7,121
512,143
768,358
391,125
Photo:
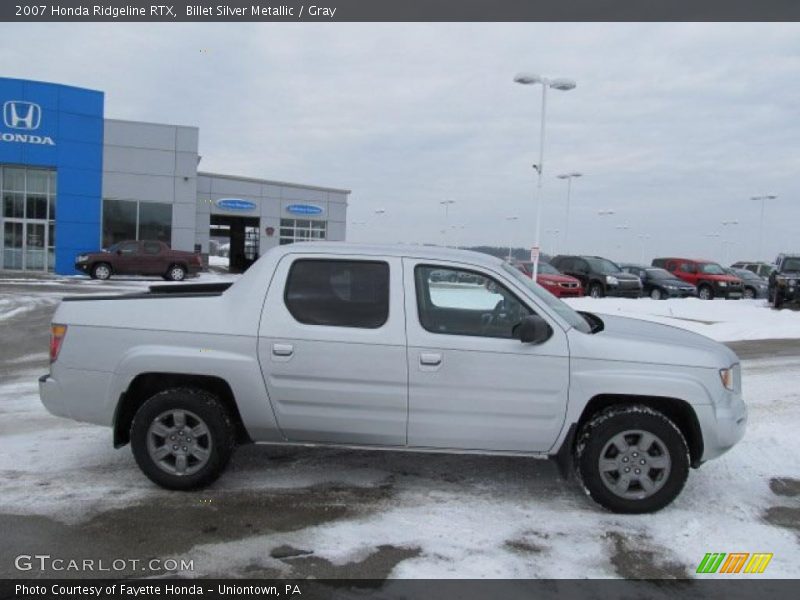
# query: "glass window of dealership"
73,181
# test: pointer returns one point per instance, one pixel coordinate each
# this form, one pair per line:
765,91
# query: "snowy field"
334,513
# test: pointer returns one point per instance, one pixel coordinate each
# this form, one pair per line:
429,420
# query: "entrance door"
12,245
472,384
35,246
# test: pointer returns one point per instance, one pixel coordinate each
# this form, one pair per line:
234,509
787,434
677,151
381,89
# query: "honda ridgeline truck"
363,347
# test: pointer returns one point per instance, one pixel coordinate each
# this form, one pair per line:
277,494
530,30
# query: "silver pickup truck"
394,348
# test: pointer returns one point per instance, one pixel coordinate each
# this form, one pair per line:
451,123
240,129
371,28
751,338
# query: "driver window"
460,302
129,248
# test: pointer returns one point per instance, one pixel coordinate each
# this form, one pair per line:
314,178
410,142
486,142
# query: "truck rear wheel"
632,459
182,438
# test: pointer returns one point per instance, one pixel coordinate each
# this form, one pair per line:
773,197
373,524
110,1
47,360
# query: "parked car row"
666,277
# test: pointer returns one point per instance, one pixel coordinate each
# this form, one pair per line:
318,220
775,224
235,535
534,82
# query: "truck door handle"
282,349
431,359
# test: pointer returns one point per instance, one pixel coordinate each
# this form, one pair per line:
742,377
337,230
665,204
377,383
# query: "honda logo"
18,114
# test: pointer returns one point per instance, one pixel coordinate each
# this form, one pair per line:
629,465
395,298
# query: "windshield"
792,264
745,274
712,269
659,274
548,269
563,310
602,265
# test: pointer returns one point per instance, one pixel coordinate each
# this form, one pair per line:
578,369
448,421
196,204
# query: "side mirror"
533,329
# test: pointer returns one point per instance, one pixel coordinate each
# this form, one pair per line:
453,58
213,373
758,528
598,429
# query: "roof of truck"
398,250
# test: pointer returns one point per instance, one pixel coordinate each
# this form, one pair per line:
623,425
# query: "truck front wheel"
632,459
182,438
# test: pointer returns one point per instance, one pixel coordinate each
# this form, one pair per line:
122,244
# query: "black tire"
101,271
749,293
176,272
598,433
705,292
656,294
220,442
596,290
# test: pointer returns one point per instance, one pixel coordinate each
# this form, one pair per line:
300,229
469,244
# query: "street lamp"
446,204
763,200
510,243
557,84
569,177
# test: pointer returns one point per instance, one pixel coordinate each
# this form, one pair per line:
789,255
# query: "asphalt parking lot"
325,513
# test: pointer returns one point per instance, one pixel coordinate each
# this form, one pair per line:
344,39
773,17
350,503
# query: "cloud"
675,126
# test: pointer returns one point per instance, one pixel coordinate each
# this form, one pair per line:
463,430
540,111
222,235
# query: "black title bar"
397,10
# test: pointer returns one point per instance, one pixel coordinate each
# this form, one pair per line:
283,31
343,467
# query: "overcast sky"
675,126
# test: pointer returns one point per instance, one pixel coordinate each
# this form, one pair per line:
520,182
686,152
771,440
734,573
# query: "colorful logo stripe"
714,562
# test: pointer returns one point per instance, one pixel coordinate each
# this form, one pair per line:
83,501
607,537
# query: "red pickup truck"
143,257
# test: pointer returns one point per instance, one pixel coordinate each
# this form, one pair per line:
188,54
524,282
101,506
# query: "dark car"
143,257
754,286
660,283
711,279
599,276
784,281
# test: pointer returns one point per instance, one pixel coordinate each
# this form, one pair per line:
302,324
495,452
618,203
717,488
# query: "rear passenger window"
339,293
152,248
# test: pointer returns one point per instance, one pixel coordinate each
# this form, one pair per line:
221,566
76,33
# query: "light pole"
763,200
455,229
643,237
557,84
446,204
510,243
569,177
725,245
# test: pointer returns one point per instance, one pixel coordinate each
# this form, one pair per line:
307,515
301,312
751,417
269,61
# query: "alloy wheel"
179,442
634,464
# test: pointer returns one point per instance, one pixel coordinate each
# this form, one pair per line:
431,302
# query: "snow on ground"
459,516
465,516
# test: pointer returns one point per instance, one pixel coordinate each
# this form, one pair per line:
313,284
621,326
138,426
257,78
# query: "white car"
370,347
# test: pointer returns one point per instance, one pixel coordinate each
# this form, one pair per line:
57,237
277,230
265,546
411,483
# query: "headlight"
611,280
726,376
670,287
723,284
83,257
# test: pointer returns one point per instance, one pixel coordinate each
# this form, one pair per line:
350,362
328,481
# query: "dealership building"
73,181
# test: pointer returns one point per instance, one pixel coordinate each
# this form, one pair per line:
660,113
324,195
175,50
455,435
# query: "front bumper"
731,293
624,292
723,424
82,266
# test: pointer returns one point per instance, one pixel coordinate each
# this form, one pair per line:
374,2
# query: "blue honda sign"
235,204
304,209
59,127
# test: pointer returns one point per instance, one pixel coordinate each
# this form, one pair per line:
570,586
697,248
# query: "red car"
147,257
551,279
711,280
